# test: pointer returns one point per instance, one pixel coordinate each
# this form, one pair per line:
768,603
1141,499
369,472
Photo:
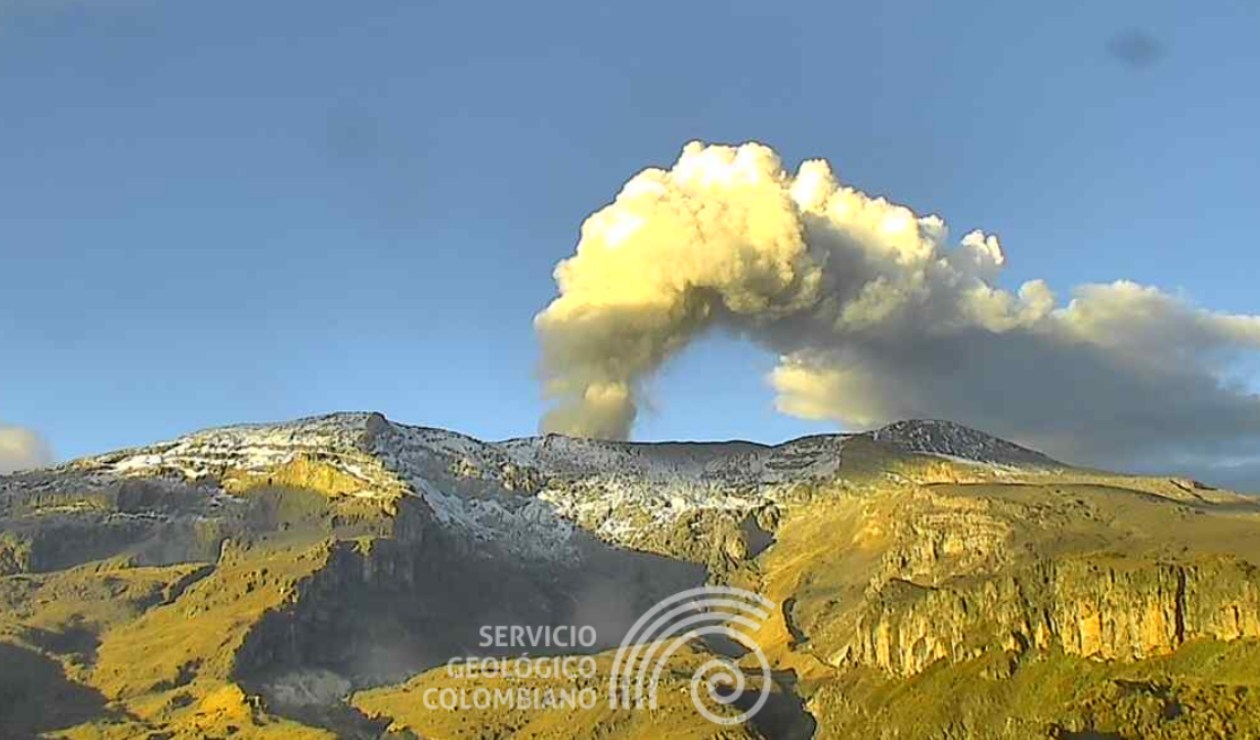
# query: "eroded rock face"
1114,611
959,575
383,610
943,538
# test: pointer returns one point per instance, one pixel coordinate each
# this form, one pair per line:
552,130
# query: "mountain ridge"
218,580
927,436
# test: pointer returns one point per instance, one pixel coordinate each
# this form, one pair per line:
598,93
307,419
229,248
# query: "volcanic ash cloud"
21,449
877,315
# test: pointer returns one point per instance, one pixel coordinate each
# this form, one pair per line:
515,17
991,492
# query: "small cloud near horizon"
22,449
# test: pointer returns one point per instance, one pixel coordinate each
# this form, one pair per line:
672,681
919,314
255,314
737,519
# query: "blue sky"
231,211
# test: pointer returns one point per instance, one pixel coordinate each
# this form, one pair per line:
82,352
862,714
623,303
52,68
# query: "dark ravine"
383,610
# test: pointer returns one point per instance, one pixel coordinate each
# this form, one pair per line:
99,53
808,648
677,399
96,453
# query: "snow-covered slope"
249,447
955,441
541,487
527,495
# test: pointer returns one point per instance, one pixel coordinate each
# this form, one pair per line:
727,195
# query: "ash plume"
22,449
877,313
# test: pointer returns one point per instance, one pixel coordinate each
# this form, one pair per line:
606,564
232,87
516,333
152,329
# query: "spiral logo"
718,613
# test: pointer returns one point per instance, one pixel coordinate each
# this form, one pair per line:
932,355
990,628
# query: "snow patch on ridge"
246,447
957,442
528,495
